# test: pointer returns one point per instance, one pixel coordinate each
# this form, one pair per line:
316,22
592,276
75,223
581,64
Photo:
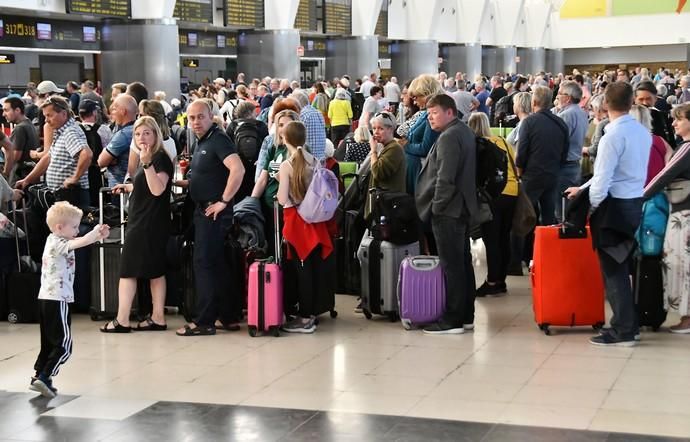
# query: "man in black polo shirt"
542,149
24,138
216,175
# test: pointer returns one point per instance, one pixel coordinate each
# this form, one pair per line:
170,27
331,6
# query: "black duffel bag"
393,217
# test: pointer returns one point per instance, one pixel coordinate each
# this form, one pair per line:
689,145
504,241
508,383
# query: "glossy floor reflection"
506,372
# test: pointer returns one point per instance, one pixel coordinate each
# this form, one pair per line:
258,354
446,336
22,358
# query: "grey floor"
26,417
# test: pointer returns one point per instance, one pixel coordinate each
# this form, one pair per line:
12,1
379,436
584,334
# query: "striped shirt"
68,142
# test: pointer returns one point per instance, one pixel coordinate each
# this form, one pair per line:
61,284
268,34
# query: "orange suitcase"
567,285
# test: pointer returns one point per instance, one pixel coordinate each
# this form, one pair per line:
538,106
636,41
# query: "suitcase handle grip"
424,262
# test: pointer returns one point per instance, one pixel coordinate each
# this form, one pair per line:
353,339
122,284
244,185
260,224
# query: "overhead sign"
6,58
194,11
108,8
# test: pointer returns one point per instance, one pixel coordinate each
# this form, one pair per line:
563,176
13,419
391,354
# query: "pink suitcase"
421,290
265,291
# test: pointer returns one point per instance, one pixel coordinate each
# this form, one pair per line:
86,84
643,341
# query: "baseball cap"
88,106
47,87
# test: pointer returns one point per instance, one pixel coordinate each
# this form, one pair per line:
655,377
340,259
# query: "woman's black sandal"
117,327
197,331
151,326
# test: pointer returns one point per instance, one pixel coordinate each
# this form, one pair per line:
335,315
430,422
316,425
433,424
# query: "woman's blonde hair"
295,135
523,101
362,134
479,123
149,122
294,116
425,85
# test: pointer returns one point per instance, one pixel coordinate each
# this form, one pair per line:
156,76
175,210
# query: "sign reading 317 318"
107,8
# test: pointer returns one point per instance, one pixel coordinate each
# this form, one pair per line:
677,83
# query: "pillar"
499,59
142,50
355,56
414,57
269,52
554,61
532,60
465,58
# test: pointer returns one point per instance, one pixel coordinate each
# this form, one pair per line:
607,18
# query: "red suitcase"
567,285
265,292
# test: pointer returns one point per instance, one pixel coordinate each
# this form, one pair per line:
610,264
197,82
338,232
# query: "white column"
365,13
280,14
153,9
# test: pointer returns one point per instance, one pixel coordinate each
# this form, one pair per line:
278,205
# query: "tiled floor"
505,373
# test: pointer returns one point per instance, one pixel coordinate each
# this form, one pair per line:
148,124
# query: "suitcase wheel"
334,314
545,329
367,313
13,317
407,324
393,317
275,331
252,332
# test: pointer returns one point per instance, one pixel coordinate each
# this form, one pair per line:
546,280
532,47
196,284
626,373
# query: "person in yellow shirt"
496,233
340,114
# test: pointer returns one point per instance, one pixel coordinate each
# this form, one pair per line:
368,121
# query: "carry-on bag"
105,267
24,284
265,291
567,285
380,263
648,290
421,290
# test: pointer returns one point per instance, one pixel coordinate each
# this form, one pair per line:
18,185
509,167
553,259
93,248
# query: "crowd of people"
622,135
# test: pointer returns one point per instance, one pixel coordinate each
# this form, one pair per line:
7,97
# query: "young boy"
57,279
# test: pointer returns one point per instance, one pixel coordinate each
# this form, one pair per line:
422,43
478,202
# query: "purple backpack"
321,200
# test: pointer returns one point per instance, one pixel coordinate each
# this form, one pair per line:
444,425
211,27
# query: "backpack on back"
247,141
492,168
321,200
650,234
93,139
503,113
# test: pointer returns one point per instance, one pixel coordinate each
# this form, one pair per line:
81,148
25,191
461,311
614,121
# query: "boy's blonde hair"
61,212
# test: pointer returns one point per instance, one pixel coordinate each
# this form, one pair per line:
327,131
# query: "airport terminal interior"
355,376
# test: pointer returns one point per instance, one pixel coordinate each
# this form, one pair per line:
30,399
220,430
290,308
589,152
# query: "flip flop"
197,331
151,326
117,327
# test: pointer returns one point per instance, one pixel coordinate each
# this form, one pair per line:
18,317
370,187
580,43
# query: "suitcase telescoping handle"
276,233
16,232
109,190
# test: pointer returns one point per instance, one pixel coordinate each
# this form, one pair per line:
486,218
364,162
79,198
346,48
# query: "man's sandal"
116,328
151,326
197,331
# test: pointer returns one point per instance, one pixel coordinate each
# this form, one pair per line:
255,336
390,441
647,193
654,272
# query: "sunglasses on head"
384,114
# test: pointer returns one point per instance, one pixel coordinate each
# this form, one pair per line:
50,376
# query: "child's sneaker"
44,386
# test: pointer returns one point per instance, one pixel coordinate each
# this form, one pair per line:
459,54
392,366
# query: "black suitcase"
346,246
22,286
105,269
648,289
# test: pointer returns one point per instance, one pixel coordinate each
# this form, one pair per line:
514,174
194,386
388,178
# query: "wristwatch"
225,202
146,165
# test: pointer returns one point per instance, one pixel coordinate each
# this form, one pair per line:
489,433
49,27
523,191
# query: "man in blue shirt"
569,96
116,154
615,196
313,121
482,96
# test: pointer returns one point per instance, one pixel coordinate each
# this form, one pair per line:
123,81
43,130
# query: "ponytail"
299,184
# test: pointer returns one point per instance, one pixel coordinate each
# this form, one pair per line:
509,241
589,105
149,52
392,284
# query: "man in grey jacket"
446,197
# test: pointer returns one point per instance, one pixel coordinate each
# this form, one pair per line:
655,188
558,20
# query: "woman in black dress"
148,228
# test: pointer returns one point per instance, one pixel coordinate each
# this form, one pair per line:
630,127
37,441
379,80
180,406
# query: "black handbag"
393,217
43,196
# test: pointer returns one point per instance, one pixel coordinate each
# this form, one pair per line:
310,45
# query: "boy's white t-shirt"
57,270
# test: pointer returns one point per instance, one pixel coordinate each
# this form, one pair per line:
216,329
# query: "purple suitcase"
421,290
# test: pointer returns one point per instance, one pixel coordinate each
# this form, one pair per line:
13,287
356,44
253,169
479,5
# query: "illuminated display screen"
109,8
244,13
195,11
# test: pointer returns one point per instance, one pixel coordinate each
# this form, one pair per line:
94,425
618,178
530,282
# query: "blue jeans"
211,272
453,242
569,177
624,323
